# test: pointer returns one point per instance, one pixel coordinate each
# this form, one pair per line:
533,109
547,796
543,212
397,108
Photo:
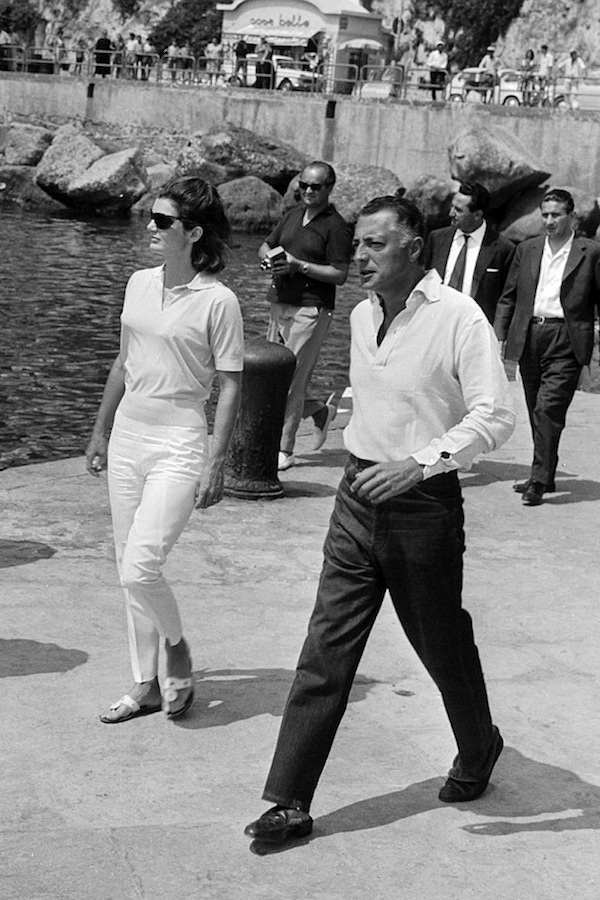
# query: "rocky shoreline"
117,171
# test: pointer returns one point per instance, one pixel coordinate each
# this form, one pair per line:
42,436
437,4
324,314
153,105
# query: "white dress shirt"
473,248
547,296
435,385
545,64
438,60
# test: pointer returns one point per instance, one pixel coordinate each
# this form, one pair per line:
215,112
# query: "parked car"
588,93
380,82
289,75
468,86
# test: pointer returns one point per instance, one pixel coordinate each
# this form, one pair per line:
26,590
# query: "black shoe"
279,824
455,791
534,494
521,487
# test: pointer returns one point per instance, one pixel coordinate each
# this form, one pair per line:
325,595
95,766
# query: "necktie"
458,272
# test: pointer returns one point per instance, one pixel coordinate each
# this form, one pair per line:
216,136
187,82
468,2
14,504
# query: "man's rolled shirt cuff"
435,462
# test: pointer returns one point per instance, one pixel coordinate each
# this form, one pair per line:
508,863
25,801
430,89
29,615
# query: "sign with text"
300,20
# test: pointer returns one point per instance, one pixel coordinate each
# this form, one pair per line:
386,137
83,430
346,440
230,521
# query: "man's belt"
546,320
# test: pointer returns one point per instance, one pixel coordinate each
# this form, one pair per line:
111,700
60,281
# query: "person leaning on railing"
437,62
489,77
527,77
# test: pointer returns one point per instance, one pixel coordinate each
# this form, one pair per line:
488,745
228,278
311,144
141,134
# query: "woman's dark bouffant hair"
198,203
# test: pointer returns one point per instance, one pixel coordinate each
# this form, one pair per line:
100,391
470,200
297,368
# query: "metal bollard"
251,465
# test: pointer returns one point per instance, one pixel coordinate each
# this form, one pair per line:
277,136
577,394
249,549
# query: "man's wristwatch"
304,268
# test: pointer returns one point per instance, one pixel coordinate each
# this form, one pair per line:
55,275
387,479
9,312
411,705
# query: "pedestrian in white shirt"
545,66
573,68
429,394
180,327
438,68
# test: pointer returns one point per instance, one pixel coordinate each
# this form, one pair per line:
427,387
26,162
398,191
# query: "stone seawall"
410,139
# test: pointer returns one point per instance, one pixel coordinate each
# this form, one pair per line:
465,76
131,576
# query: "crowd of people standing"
536,73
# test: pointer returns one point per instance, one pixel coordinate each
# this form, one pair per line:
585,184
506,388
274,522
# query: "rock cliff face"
562,24
93,16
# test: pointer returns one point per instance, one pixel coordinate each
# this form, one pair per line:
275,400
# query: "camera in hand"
274,255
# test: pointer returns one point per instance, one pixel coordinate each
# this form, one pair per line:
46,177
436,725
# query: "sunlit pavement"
156,809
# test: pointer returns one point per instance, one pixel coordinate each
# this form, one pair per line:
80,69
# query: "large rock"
250,204
69,155
191,161
241,152
158,175
523,219
433,195
26,144
111,184
17,185
355,185
496,159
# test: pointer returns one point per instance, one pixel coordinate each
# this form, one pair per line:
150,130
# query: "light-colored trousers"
303,330
153,473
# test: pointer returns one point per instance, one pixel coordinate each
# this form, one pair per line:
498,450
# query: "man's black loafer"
279,824
521,487
455,791
534,494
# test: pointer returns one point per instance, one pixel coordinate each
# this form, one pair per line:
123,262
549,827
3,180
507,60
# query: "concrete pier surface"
156,809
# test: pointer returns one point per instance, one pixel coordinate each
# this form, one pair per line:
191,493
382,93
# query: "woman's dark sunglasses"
313,185
163,222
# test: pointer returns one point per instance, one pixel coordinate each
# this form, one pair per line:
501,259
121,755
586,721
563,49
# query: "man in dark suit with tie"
469,255
546,317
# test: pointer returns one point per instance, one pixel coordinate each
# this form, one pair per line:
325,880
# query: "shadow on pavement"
521,788
580,490
24,657
19,553
223,696
488,471
324,459
531,788
569,488
307,489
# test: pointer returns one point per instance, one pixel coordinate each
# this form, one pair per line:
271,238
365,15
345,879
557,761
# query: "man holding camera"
315,245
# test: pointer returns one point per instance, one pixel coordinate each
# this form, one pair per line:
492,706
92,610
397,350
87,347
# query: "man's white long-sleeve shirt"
435,389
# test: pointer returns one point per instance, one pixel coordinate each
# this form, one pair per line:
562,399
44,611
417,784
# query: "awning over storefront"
361,44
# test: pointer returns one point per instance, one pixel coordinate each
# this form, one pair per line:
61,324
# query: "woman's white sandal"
171,688
135,710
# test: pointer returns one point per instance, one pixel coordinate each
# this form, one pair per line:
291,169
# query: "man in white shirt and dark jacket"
545,320
429,395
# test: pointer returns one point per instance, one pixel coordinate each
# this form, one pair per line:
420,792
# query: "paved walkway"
152,809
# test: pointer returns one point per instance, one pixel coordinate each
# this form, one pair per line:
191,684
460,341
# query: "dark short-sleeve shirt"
325,240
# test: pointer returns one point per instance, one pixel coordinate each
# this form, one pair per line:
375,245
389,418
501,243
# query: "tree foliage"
473,24
190,22
126,8
20,16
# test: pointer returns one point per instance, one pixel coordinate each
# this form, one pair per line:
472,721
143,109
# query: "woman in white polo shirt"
179,326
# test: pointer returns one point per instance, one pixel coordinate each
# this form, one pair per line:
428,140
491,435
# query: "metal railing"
388,82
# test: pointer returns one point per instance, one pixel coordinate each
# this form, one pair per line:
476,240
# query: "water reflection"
62,280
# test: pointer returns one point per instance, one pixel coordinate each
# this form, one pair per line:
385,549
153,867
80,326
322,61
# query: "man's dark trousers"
550,373
412,545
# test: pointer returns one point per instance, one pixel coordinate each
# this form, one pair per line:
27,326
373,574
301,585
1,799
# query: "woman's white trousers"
153,474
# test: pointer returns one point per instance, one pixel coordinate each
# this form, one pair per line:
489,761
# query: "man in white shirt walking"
429,394
545,318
